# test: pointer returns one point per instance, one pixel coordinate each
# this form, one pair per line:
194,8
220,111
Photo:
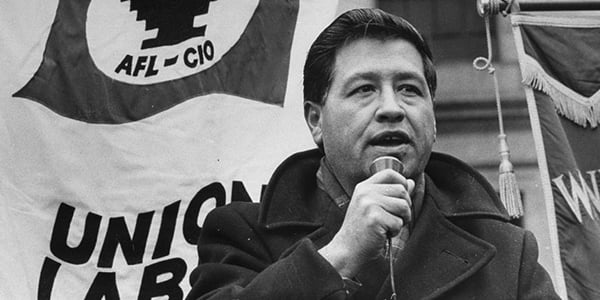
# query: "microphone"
386,162
379,164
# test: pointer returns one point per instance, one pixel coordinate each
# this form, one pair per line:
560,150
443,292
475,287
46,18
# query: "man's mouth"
390,139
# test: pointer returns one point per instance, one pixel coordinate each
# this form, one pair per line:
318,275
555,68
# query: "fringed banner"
560,64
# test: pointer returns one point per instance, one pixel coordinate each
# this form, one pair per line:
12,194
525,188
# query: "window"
453,29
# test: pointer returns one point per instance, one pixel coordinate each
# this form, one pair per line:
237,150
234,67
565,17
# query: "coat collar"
291,197
461,191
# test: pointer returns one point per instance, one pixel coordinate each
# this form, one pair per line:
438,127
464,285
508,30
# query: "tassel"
507,181
509,189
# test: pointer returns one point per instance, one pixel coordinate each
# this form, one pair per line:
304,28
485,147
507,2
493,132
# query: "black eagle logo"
69,83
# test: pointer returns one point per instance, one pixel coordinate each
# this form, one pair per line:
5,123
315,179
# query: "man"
321,228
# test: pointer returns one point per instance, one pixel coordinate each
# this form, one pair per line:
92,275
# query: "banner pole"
492,7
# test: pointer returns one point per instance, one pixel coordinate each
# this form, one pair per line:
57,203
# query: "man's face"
378,104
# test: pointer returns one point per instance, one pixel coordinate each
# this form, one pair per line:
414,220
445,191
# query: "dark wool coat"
462,245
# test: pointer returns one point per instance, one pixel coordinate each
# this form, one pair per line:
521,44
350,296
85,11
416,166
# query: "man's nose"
391,107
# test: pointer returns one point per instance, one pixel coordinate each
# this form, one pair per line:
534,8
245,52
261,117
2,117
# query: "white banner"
124,122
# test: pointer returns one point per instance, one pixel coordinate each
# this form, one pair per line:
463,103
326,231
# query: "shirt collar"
327,182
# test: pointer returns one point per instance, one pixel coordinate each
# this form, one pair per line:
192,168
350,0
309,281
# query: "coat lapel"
438,256
294,204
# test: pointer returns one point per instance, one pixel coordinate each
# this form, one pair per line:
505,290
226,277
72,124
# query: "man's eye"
362,90
410,90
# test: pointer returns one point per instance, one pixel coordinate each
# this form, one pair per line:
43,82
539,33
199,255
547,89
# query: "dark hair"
350,26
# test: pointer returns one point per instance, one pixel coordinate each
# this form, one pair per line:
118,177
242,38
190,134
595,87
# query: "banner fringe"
576,108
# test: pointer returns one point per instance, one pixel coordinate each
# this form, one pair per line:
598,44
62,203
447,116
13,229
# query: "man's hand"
379,208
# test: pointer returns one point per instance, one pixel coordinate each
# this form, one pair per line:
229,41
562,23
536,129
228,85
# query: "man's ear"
312,116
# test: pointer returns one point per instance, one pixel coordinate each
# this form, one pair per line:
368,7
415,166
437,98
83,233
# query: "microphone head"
386,162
